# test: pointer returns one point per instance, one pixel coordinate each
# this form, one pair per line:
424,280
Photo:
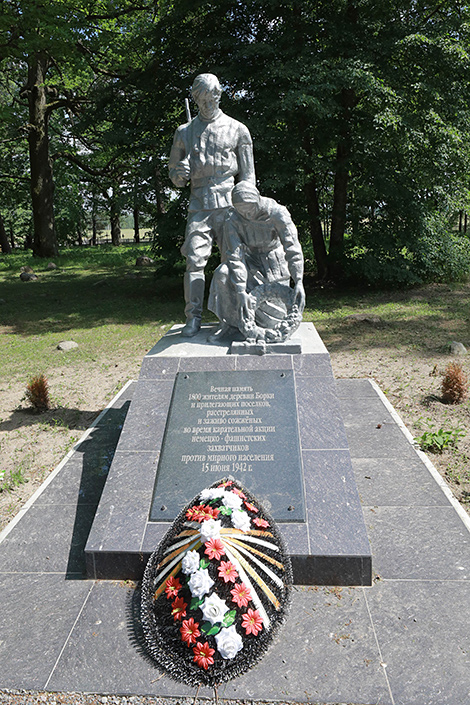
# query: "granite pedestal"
326,537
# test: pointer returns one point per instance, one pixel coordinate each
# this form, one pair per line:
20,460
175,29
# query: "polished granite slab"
326,535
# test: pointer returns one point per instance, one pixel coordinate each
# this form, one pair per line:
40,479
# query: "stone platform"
403,641
328,545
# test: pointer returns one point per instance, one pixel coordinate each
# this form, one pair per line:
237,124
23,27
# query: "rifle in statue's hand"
188,112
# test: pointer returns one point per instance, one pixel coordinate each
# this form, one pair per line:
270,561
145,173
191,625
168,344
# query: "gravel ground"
32,697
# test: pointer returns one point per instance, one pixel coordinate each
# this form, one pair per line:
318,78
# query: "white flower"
214,609
241,520
229,642
211,493
200,583
210,529
232,500
190,562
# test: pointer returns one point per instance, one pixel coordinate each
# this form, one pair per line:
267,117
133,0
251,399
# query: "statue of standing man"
213,151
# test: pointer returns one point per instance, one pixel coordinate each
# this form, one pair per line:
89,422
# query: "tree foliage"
359,113
357,109
60,48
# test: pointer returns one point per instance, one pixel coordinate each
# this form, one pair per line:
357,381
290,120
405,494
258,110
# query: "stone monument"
210,151
250,290
201,412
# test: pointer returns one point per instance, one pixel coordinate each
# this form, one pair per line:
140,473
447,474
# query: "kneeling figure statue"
250,290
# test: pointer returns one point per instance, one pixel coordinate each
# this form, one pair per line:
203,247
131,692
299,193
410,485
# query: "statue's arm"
178,165
235,257
246,162
290,241
238,270
294,255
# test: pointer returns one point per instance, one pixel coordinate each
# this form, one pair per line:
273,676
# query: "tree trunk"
115,224
94,219
135,213
348,100
160,201
115,229
340,192
94,228
28,241
313,207
340,199
12,236
4,243
115,213
42,184
315,226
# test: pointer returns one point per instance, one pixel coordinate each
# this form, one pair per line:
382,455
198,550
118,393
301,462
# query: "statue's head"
206,92
246,199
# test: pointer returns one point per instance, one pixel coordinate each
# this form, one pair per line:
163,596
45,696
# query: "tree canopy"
359,113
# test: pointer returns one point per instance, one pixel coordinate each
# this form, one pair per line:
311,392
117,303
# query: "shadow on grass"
426,318
58,302
425,336
429,399
440,300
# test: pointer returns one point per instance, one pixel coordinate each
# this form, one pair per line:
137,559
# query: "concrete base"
293,346
329,548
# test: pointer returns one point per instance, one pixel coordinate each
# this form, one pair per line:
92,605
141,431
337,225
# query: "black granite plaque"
242,424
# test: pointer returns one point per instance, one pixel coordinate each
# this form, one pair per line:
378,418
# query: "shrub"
438,441
441,254
454,384
37,393
395,252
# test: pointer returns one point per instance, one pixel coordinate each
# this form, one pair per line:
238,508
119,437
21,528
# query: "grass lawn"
116,312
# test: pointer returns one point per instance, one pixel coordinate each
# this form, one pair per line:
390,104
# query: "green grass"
98,298
424,320
90,298
13,479
78,258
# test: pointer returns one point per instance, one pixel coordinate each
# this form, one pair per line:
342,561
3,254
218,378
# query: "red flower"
214,549
211,513
262,523
203,655
190,631
178,608
226,484
241,595
192,513
252,622
250,507
173,586
201,512
238,492
228,572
